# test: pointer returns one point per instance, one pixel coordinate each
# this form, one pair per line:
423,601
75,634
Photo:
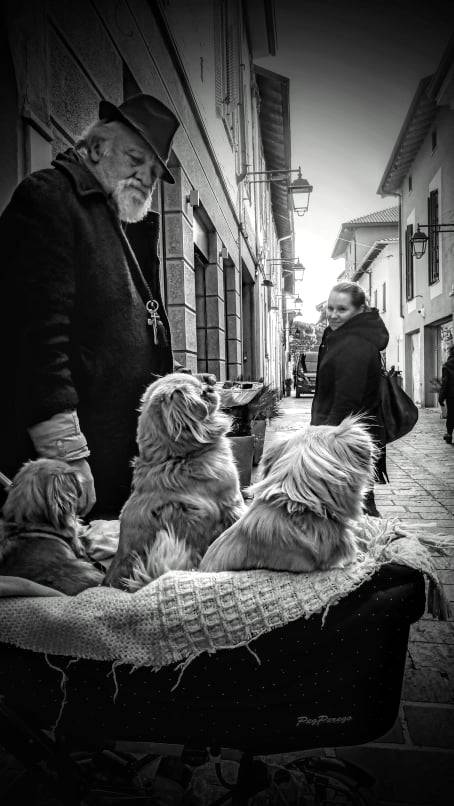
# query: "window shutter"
289,283
409,271
219,55
233,58
434,241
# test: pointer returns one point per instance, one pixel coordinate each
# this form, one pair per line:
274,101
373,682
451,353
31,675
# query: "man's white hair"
99,132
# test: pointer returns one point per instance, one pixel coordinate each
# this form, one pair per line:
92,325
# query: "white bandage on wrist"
60,437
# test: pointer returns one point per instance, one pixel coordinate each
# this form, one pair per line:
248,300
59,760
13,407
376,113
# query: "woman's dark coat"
74,323
348,373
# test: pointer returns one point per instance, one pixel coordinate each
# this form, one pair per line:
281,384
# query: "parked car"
305,383
306,374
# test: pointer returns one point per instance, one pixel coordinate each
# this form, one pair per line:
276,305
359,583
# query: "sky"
354,69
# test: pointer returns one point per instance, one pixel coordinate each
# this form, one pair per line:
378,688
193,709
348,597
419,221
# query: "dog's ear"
353,436
61,495
271,454
183,412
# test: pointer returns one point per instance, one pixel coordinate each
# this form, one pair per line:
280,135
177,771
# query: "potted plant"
263,408
247,430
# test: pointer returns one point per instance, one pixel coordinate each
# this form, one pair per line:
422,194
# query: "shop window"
409,268
433,245
410,183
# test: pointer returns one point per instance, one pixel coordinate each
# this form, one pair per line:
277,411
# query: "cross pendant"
152,308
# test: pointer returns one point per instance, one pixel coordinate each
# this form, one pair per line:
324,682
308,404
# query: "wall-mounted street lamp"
300,190
419,240
298,266
296,301
292,268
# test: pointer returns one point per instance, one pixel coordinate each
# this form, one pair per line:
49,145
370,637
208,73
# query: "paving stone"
425,506
430,726
406,775
432,656
394,510
449,590
428,685
447,577
437,632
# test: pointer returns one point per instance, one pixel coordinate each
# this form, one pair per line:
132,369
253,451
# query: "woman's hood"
368,325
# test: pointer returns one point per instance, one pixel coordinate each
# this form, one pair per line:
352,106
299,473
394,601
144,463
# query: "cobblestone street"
414,762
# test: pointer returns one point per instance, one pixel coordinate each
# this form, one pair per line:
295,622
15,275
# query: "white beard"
131,203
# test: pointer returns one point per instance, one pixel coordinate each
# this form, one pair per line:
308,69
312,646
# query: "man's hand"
88,497
206,377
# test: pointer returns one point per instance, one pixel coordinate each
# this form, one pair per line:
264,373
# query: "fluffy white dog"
185,488
312,486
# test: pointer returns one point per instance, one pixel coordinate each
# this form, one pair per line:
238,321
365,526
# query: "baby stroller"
320,682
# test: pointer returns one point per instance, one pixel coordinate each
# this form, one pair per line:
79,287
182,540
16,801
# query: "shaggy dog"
185,488
39,534
312,485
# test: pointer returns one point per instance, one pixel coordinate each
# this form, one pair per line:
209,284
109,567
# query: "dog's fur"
185,488
40,531
312,485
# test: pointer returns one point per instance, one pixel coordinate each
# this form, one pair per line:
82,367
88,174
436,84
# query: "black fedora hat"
151,119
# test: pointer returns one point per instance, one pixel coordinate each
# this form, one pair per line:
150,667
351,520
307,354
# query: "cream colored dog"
185,488
41,537
312,487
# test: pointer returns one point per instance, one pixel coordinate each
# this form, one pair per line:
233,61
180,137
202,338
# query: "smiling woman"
349,368
344,305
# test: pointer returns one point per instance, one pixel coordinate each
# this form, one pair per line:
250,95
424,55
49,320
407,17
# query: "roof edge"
420,92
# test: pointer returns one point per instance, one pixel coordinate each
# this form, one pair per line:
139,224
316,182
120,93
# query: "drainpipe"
284,347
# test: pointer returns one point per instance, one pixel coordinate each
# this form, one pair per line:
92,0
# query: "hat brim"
108,111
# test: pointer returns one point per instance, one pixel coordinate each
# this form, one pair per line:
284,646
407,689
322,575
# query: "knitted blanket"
183,614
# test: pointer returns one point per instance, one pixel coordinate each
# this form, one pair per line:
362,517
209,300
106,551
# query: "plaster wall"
433,305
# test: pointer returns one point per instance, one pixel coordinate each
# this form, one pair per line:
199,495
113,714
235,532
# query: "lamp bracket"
436,227
271,174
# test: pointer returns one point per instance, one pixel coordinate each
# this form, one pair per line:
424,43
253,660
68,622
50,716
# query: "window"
410,183
200,269
383,297
409,269
375,299
434,139
433,246
227,66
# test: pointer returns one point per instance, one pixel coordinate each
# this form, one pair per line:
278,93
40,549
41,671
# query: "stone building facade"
218,227
420,172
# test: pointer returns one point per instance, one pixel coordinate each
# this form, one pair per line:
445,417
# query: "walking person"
446,393
83,325
349,369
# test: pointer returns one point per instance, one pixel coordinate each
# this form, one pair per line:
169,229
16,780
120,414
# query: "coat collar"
85,183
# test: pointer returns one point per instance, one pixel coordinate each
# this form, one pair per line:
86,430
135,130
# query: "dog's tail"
166,554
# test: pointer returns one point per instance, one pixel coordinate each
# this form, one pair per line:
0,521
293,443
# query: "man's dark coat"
74,323
447,379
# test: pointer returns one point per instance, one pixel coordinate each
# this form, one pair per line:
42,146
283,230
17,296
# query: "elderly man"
83,326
